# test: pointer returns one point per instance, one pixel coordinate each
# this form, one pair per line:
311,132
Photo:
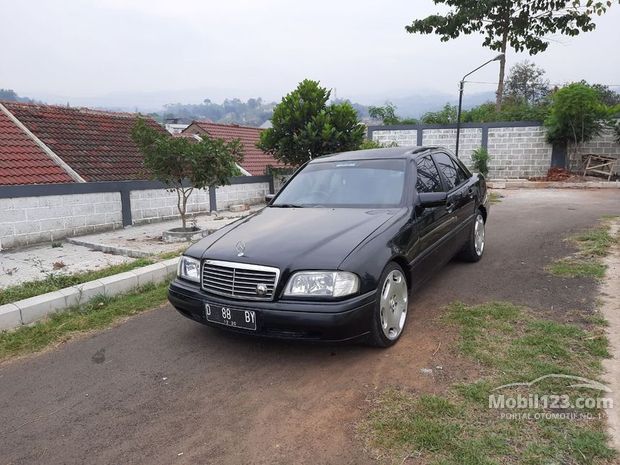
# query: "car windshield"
356,183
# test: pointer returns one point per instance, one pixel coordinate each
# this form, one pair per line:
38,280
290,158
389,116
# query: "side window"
428,176
461,175
453,173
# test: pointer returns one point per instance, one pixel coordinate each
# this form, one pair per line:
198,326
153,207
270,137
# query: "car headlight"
322,284
189,268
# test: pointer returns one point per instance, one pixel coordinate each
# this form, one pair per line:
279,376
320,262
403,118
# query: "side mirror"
432,199
269,197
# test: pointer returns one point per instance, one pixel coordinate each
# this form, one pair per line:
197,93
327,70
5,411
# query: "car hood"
294,238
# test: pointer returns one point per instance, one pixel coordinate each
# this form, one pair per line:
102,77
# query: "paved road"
161,389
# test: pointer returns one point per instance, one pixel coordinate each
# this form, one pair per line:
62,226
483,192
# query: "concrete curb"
28,311
109,248
525,184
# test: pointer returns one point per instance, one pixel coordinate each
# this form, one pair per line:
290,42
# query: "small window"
454,174
448,169
461,177
428,176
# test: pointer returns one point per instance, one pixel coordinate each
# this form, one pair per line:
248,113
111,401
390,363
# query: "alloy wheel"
479,235
393,304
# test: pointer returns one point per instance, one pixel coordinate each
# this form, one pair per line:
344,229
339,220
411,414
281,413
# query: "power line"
556,84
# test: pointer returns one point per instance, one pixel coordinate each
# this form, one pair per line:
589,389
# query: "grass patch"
98,313
577,267
56,281
458,428
592,245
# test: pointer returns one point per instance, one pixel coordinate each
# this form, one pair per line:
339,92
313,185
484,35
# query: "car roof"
371,154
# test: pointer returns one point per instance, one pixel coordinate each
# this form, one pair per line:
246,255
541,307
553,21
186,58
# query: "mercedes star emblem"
261,289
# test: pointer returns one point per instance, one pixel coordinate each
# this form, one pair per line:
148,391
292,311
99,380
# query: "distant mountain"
416,105
253,111
9,95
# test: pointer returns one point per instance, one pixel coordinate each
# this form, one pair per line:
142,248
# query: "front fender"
370,258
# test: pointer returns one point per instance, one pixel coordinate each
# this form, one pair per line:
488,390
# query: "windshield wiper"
287,205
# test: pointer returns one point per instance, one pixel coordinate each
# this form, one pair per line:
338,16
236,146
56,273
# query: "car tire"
473,250
391,307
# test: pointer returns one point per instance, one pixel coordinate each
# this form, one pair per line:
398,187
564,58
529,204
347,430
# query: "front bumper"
328,321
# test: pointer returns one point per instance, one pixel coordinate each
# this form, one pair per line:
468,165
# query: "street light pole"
461,88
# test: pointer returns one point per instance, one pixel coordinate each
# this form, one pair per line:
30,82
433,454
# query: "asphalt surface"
161,389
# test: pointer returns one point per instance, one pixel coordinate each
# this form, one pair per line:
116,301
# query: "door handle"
470,192
450,206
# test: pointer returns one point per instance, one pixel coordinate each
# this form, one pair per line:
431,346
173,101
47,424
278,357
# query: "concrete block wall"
403,137
605,144
30,220
26,219
250,194
279,180
152,205
470,140
518,152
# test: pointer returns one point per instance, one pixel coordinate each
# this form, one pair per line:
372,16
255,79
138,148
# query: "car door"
460,198
431,224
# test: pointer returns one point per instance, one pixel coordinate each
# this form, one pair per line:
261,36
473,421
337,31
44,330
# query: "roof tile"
96,144
24,162
255,161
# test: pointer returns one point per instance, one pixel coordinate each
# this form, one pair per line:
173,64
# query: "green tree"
608,96
526,83
185,164
577,115
447,115
387,115
522,25
511,111
305,126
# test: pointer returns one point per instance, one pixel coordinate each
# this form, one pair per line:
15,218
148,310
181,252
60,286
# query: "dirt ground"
159,389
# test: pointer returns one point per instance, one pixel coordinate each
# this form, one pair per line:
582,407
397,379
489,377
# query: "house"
255,161
23,161
42,144
175,125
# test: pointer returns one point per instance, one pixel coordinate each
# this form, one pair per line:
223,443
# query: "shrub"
306,125
373,144
480,158
577,115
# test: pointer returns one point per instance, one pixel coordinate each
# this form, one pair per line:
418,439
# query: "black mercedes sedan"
337,253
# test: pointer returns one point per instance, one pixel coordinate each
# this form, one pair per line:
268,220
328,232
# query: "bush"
480,158
577,115
512,110
306,125
373,144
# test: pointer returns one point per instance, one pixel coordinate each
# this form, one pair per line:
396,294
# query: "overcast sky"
187,50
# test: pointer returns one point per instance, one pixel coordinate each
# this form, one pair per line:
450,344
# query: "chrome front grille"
239,280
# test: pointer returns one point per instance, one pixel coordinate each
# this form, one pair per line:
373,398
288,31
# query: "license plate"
237,318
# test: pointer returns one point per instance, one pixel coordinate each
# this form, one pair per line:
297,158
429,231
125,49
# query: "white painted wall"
157,204
30,220
250,194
